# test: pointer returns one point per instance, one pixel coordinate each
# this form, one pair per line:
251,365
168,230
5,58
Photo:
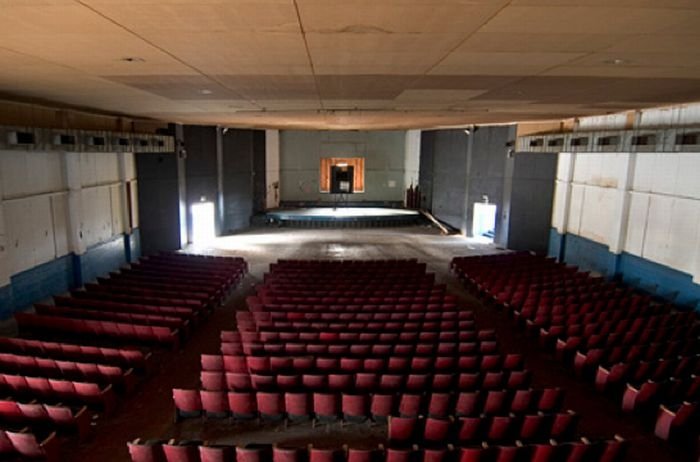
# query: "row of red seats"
434,362
184,313
70,370
575,450
632,341
367,381
295,290
23,445
103,293
353,349
373,305
491,429
47,384
358,337
57,390
64,418
638,371
119,331
585,362
270,315
361,406
356,326
100,315
130,358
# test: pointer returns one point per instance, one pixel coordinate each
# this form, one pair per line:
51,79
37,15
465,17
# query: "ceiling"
351,64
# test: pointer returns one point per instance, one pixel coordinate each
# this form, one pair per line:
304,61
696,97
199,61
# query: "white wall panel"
644,171
44,172
129,166
13,168
29,232
59,209
658,230
107,167
685,217
116,207
97,215
637,222
688,179
559,207
575,209
88,168
665,173
597,214
564,165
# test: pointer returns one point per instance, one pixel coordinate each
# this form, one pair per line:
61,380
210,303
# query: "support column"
6,299
412,159
219,223
618,233
566,163
76,245
465,217
181,154
272,169
126,175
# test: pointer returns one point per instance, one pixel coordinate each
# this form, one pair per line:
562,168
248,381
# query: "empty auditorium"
350,230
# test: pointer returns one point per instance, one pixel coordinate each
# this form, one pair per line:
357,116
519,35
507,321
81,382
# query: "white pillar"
126,166
272,169
4,263
623,197
412,158
73,173
566,163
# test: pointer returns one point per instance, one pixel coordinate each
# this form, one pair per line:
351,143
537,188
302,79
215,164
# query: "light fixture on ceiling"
132,59
205,91
616,61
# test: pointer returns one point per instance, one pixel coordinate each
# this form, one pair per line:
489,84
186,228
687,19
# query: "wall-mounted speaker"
342,179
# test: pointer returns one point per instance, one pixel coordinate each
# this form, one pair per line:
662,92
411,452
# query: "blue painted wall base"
633,270
67,272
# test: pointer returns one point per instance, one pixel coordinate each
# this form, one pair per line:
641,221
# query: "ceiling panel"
359,64
195,16
504,63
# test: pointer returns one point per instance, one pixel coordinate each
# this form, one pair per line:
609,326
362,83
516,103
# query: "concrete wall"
385,163
459,167
640,210
427,168
237,179
159,201
487,169
201,171
450,152
63,218
529,208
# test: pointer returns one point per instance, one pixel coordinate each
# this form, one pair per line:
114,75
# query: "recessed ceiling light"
616,61
205,91
132,59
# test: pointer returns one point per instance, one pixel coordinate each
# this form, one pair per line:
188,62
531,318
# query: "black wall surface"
531,201
487,167
159,208
237,179
200,168
449,152
259,168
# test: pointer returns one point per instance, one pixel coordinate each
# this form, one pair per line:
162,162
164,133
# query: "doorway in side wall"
203,225
484,222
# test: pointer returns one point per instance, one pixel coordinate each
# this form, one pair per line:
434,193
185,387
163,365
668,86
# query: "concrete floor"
148,413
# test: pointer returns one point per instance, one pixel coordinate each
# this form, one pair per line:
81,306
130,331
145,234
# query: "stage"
344,217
